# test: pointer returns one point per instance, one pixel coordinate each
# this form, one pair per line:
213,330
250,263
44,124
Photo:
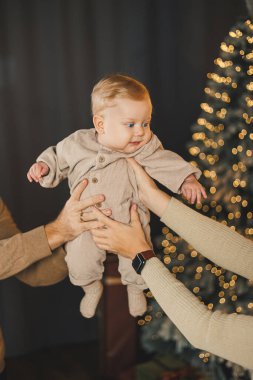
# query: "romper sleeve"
55,158
165,166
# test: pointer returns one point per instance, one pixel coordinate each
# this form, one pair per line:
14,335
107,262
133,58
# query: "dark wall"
52,52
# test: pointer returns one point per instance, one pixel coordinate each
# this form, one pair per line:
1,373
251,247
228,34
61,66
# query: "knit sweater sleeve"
28,255
213,240
227,335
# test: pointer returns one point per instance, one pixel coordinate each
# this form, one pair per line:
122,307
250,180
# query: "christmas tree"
222,147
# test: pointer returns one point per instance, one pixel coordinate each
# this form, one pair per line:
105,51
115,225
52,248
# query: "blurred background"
52,52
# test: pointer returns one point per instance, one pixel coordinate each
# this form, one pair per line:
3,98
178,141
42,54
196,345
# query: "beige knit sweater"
227,335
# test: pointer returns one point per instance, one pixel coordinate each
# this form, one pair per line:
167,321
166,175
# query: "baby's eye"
130,125
145,125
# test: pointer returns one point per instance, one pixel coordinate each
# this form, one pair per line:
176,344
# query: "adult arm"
213,240
227,335
40,249
20,250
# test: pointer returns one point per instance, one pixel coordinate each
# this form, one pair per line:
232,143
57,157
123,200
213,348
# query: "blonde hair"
116,86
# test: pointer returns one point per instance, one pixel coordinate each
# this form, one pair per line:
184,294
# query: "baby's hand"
36,171
192,189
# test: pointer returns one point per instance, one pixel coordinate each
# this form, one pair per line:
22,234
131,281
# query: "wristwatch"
140,260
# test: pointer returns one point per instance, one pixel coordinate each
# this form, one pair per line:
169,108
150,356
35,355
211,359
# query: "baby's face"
125,126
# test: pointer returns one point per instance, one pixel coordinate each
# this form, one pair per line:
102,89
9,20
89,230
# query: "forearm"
22,250
229,336
213,240
156,200
47,271
55,234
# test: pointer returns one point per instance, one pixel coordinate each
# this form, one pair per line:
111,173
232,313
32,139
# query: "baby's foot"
136,300
90,301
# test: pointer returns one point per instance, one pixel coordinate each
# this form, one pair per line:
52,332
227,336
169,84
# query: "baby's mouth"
136,142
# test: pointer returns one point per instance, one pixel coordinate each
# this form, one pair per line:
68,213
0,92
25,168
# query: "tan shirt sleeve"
213,240
21,250
229,336
165,166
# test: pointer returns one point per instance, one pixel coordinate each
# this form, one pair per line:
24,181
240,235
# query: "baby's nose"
139,130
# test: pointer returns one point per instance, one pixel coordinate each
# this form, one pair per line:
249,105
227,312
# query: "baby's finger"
184,193
188,194
38,171
44,170
34,176
193,196
199,197
203,192
29,177
33,173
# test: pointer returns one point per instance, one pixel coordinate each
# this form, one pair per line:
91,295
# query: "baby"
122,110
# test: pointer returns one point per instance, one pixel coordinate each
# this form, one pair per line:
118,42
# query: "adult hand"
74,217
125,239
153,198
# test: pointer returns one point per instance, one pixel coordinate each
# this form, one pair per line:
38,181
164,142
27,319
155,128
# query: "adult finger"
134,164
135,219
92,225
87,216
91,201
105,247
138,169
78,190
102,218
100,233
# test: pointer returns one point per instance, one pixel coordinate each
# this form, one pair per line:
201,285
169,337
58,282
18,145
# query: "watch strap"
147,254
140,260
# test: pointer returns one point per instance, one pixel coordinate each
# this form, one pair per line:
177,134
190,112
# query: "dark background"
52,52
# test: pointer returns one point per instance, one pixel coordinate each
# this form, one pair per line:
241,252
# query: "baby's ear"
98,122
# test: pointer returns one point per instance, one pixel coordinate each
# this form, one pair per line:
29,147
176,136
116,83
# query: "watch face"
138,263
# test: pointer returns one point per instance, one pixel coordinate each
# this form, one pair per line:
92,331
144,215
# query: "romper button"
101,159
94,180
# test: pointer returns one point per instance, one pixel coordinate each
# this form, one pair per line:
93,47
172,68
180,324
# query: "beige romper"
80,156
